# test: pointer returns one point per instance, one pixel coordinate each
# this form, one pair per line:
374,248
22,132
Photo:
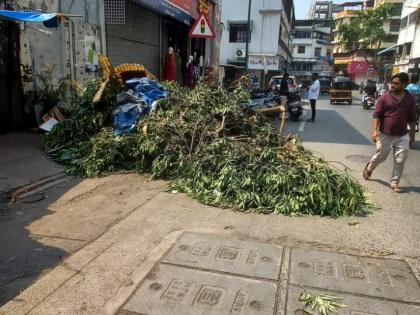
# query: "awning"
48,19
341,62
390,48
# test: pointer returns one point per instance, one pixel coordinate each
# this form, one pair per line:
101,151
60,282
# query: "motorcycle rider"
369,90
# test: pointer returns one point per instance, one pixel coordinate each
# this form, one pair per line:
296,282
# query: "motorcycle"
294,106
368,101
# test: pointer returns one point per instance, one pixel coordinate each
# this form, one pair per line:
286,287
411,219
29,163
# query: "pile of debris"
209,146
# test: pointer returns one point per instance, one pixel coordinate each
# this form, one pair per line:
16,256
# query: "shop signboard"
178,9
358,67
266,63
185,5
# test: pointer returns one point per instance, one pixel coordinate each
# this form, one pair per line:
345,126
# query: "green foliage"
319,303
367,29
213,149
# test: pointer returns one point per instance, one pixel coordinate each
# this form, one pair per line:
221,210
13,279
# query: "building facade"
312,49
269,42
408,47
141,31
67,51
322,10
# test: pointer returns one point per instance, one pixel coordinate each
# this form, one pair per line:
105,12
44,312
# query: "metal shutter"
136,41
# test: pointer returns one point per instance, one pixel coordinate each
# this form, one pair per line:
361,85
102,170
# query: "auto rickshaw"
341,91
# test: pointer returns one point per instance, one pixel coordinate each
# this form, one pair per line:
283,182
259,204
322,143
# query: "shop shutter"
136,41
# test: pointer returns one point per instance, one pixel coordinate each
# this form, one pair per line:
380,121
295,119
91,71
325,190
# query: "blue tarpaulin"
49,19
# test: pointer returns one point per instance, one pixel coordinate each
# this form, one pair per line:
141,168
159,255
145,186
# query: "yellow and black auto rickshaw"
341,91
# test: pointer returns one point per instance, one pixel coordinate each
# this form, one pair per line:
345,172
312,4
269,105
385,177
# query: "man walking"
313,95
394,110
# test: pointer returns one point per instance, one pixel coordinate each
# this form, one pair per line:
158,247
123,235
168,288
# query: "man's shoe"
366,173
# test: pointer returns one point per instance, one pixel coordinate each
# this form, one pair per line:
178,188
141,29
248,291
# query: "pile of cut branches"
216,151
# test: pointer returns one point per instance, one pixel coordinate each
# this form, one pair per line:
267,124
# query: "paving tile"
170,290
227,255
385,278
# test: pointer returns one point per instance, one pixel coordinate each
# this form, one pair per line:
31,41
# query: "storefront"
361,71
149,28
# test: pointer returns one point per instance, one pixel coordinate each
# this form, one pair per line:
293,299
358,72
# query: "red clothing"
170,68
394,116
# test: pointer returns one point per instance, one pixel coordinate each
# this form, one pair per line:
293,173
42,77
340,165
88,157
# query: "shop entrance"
11,90
175,35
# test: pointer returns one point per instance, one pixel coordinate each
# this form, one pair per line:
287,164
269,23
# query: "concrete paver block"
171,290
227,255
355,305
384,278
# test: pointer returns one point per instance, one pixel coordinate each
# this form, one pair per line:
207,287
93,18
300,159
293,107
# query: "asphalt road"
341,134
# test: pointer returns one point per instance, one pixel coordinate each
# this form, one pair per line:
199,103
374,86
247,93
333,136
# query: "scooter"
294,106
368,101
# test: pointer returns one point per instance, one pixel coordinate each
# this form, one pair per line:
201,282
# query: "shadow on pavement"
24,256
406,189
331,127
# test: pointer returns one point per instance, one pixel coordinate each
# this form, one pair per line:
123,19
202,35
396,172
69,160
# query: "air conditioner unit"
240,53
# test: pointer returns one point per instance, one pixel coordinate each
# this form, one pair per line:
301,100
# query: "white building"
408,52
269,45
312,48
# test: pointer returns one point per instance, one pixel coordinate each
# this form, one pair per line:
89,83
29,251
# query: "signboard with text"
263,62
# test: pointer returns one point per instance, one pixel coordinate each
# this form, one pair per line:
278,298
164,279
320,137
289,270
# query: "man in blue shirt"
413,87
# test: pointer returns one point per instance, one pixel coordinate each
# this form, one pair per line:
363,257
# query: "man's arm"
376,122
375,129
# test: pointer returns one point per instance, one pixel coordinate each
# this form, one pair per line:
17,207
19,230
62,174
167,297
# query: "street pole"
248,33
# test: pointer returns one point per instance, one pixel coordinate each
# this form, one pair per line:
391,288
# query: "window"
322,15
412,18
114,11
394,26
238,33
407,50
397,9
302,34
404,22
318,52
301,49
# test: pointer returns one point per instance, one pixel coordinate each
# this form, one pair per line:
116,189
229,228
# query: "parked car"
292,82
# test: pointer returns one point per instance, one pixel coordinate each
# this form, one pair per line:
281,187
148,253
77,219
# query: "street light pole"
248,33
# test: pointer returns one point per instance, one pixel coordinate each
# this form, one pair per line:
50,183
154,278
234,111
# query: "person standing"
284,85
394,110
313,95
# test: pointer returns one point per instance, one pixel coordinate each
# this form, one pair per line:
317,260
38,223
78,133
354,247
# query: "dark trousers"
313,108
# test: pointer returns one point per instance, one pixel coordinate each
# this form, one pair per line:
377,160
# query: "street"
85,247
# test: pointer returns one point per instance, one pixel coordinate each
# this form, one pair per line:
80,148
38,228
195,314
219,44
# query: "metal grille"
115,11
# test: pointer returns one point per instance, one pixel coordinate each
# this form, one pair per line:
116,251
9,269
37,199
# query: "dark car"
325,85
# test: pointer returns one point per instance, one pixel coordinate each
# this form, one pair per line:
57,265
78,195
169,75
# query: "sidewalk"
138,254
22,161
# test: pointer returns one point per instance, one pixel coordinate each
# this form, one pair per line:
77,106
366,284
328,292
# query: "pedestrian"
394,110
284,85
414,87
313,95
382,87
